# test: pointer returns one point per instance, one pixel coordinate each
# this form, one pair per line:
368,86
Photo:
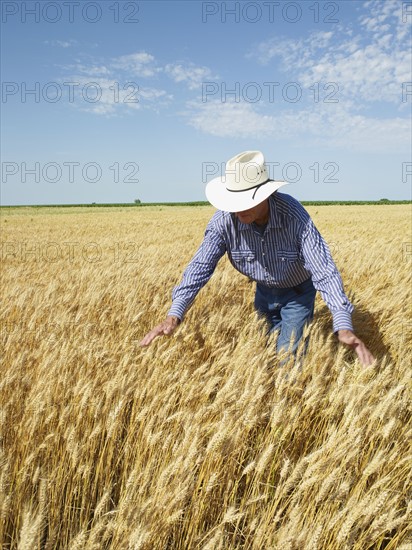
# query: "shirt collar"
274,217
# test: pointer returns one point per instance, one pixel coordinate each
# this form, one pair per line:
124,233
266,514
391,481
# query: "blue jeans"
287,310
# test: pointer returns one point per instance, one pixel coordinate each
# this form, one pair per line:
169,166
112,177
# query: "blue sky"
148,99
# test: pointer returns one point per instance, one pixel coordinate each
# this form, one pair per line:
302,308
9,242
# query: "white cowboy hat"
244,185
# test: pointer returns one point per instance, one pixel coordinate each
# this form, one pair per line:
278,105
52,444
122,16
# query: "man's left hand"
350,339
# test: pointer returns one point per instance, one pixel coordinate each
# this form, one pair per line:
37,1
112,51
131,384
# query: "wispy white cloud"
299,51
193,75
60,43
104,96
229,119
120,81
89,70
139,64
115,85
369,62
328,128
380,17
369,65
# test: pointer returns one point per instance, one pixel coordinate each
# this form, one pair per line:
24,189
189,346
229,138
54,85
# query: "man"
270,238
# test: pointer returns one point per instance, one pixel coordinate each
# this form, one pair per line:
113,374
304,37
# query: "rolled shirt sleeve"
198,272
325,277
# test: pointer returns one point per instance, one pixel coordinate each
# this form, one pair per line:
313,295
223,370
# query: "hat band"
255,187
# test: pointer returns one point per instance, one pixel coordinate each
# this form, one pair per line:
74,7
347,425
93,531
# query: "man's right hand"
166,328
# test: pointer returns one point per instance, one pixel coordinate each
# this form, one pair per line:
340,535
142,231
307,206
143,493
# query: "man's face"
258,214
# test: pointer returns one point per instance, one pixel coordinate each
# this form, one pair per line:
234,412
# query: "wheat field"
200,441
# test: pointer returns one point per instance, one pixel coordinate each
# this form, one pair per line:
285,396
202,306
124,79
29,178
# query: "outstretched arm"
196,275
327,280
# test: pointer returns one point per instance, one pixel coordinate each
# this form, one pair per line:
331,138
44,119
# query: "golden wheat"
201,441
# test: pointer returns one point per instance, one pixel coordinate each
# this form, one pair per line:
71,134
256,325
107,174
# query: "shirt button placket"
264,261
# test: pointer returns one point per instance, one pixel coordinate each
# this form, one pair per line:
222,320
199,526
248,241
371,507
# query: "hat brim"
238,201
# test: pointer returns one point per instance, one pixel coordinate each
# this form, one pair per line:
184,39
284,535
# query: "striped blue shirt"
286,253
